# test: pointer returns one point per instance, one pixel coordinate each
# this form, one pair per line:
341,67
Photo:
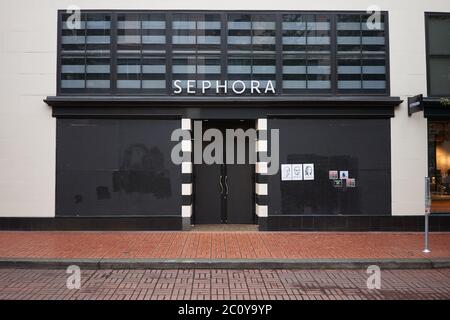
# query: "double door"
224,193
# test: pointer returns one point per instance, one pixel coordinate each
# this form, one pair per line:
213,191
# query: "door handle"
221,186
226,184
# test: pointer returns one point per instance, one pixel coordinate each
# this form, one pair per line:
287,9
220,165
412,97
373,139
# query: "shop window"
439,165
349,165
108,167
438,54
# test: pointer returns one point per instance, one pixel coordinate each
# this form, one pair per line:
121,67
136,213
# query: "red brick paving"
224,284
221,245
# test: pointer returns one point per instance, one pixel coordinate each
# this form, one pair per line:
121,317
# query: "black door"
224,193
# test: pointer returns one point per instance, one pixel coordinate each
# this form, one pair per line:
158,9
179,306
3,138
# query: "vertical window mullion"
252,56
387,71
113,54
306,55
85,49
361,55
278,53
141,76
59,57
196,61
169,53
333,53
224,47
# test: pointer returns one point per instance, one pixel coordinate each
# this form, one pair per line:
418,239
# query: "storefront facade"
319,93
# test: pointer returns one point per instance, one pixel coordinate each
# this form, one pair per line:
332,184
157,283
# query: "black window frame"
427,49
113,91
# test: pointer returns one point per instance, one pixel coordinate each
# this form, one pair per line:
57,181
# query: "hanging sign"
415,104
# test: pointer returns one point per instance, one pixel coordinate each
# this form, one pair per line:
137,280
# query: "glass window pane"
184,33
239,36
154,74
98,73
153,33
129,73
128,34
263,34
306,53
85,53
439,76
209,31
361,54
439,34
438,165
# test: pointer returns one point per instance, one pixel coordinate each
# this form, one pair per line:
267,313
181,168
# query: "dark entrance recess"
224,193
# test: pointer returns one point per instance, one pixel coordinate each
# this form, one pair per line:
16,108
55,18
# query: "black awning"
436,108
229,102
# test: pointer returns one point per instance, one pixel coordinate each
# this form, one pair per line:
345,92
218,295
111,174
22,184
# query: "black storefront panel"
359,146
109,167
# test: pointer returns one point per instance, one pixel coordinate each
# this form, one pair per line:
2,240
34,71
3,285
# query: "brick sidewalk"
220,245
224,284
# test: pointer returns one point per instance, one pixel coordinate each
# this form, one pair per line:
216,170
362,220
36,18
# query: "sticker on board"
337,183
343,175
351,183
308,171
333,174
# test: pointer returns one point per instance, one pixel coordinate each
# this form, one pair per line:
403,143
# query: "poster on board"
297,172
308,171
286,172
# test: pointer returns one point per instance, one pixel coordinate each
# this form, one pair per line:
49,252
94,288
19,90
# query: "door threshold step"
224,227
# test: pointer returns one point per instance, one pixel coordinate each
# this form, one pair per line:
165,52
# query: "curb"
96,264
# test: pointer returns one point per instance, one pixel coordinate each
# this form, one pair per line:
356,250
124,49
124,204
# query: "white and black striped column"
261,187
186,175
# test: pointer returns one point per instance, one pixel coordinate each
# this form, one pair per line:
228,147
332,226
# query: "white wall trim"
186,189
186,146
261,189
261,211
261,146
261,167
186,124
186,211
261,124
186,167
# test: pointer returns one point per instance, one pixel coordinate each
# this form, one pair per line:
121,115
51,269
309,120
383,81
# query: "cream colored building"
30,72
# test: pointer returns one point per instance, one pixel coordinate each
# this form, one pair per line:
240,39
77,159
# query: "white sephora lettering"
237,87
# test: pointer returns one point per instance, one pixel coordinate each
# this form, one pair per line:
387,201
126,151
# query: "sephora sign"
215,86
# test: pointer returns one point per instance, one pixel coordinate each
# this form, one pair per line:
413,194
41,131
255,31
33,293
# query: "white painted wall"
28,74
